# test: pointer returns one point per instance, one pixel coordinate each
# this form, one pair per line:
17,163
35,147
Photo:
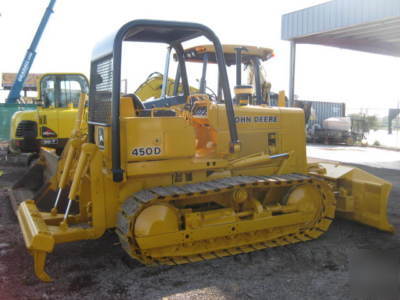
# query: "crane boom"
15,91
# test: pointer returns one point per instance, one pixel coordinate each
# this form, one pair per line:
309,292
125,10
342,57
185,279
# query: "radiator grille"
101,91
26,129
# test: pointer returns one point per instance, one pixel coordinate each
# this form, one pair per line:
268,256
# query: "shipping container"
320,110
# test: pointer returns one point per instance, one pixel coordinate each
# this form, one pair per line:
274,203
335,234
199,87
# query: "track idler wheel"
156,219
306,198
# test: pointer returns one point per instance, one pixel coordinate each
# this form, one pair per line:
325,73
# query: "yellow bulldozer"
191,176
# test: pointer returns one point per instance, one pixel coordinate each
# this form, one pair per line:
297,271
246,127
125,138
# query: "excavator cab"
51,123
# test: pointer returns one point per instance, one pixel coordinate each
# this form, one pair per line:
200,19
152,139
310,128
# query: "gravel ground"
100,269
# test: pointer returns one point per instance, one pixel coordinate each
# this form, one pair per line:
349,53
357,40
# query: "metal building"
365,25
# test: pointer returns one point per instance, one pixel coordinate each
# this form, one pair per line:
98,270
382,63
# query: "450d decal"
146,151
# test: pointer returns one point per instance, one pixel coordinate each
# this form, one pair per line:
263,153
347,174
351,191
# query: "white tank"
343,123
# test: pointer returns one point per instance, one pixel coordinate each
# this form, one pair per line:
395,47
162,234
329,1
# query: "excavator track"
235,242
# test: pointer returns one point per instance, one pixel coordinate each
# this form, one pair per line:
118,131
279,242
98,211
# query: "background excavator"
50,125
191,176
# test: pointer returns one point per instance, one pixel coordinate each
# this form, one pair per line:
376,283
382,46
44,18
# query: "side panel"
66,121
293,137
48,118
269,130
156,138
20,116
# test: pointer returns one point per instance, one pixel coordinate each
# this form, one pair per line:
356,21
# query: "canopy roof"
364,25
169,32
195,54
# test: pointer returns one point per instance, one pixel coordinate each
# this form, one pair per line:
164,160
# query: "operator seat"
136,102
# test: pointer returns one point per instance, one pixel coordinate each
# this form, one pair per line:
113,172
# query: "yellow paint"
156,220
281,99
362,197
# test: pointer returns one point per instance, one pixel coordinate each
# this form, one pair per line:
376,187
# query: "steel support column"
393,113
292,72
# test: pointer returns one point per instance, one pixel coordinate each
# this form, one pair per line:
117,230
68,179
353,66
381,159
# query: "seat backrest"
126,107
165,101
156,113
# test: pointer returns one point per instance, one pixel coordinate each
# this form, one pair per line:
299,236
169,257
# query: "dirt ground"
100,269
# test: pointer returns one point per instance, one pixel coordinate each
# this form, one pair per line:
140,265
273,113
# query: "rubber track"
138,201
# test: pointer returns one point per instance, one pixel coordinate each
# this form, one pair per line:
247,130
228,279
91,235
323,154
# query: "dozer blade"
360,196
36,180
36,236
43,230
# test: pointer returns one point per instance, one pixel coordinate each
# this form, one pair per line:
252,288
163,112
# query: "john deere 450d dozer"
216,177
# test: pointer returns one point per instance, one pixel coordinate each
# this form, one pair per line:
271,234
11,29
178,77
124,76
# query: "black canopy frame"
169,32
